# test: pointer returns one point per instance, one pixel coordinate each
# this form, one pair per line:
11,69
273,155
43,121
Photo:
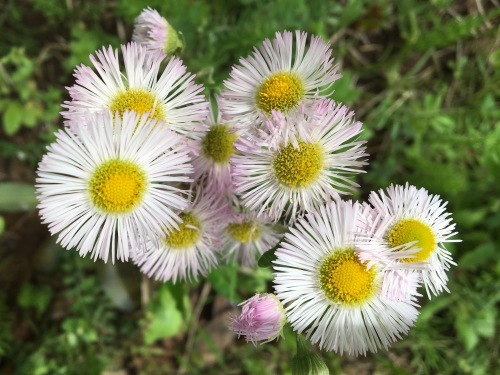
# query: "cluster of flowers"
145,170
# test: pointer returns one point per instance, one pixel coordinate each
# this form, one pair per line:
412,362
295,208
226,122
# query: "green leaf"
479,257
2,225
307,362
485,322
266,260
466,331
12,118
345,91
34,296
17,197
224,280
430,309
254,281
165,319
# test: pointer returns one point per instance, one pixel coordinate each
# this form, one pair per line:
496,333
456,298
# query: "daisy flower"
262,319
214,152
189,251
300,163
109,189
412,220
401,281
329,293
155,33
246,237
279,76
173,97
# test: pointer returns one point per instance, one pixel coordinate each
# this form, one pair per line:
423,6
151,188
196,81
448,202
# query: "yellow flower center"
409,230
139,101
245,232
344,279
298,167
117,186
218,144
188,233
280,92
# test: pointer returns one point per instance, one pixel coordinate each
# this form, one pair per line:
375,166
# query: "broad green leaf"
165,319
266,260
2,225
17,197
224,280
12,118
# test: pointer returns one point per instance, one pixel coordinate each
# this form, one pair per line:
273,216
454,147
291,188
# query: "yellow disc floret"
217,144
137,100
409,230
298,167
117,186
188,233
344,279
280,92
244,232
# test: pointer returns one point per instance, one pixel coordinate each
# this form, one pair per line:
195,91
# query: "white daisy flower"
213,154
401,280
300,163
329,293
246,237
108,190
155,33
412,220
189,251
279,76
173,98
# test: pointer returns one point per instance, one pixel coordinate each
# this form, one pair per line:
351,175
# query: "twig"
205,291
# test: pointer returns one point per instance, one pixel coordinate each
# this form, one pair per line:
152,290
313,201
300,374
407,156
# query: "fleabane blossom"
213,154
412,221
297,163
402,280
279,76
261,320
109,189
190,250
247,236
329,293
155,33
171,97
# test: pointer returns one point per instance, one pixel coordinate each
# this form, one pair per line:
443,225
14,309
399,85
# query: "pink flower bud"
262,318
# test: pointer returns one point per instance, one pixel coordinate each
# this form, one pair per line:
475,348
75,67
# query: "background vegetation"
424,78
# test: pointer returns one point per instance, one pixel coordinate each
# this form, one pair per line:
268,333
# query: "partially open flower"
155,33
262,318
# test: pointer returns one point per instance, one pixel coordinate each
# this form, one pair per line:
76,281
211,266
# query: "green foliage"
224,280
307,362
422,76
267,259
85,42
22,102
5,326
167,313
34,296
17,197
